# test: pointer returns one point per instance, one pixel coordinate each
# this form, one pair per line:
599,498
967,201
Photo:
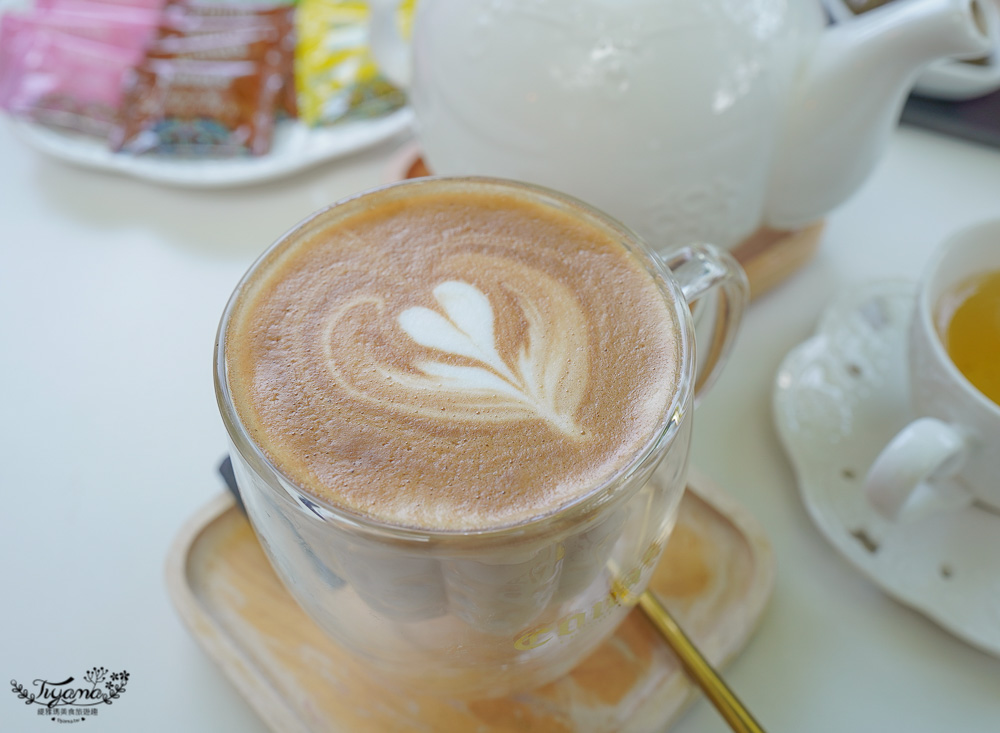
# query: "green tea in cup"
969,324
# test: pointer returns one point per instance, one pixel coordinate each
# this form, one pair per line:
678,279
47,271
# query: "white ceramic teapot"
689,120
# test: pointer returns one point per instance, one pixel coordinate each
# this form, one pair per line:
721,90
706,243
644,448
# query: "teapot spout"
849,95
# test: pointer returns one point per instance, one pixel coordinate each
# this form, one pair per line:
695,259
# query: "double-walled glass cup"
485,612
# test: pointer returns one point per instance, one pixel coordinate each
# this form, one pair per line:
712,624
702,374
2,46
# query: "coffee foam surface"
451,361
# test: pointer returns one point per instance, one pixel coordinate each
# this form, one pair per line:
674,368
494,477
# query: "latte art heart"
468,378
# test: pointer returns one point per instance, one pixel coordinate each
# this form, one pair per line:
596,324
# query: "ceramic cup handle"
924,452
703,270
390,50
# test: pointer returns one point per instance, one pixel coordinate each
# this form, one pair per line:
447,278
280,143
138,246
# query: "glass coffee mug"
484,611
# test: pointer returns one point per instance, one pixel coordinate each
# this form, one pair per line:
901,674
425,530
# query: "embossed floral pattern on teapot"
689,120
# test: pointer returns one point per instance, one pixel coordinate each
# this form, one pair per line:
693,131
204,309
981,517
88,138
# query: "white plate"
839,397
948,79
295,148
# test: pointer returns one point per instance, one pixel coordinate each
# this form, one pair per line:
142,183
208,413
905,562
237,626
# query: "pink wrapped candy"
128,29
60,79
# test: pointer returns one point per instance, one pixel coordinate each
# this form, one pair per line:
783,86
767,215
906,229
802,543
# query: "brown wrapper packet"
192,18
260,44
198,108
231,44
214,9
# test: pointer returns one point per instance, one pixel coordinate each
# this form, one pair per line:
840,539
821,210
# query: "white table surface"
110,292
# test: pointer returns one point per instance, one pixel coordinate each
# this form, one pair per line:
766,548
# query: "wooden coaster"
769,256
716,575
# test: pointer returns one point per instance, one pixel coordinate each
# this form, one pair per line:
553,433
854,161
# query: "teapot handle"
702,270
390,50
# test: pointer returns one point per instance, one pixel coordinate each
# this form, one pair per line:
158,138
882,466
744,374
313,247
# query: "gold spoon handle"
698,668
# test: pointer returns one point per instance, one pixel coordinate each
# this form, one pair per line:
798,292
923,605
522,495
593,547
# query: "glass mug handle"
699,270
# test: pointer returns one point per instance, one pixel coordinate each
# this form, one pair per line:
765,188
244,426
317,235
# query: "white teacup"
951,451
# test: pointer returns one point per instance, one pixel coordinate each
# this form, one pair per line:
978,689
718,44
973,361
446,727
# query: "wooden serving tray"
769,256
716,575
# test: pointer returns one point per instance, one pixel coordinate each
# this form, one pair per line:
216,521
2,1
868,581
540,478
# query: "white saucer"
839,397
296,147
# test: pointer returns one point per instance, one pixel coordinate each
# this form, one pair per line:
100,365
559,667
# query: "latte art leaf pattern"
544,378
468,331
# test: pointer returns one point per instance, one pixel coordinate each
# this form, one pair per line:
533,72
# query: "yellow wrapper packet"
335,75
